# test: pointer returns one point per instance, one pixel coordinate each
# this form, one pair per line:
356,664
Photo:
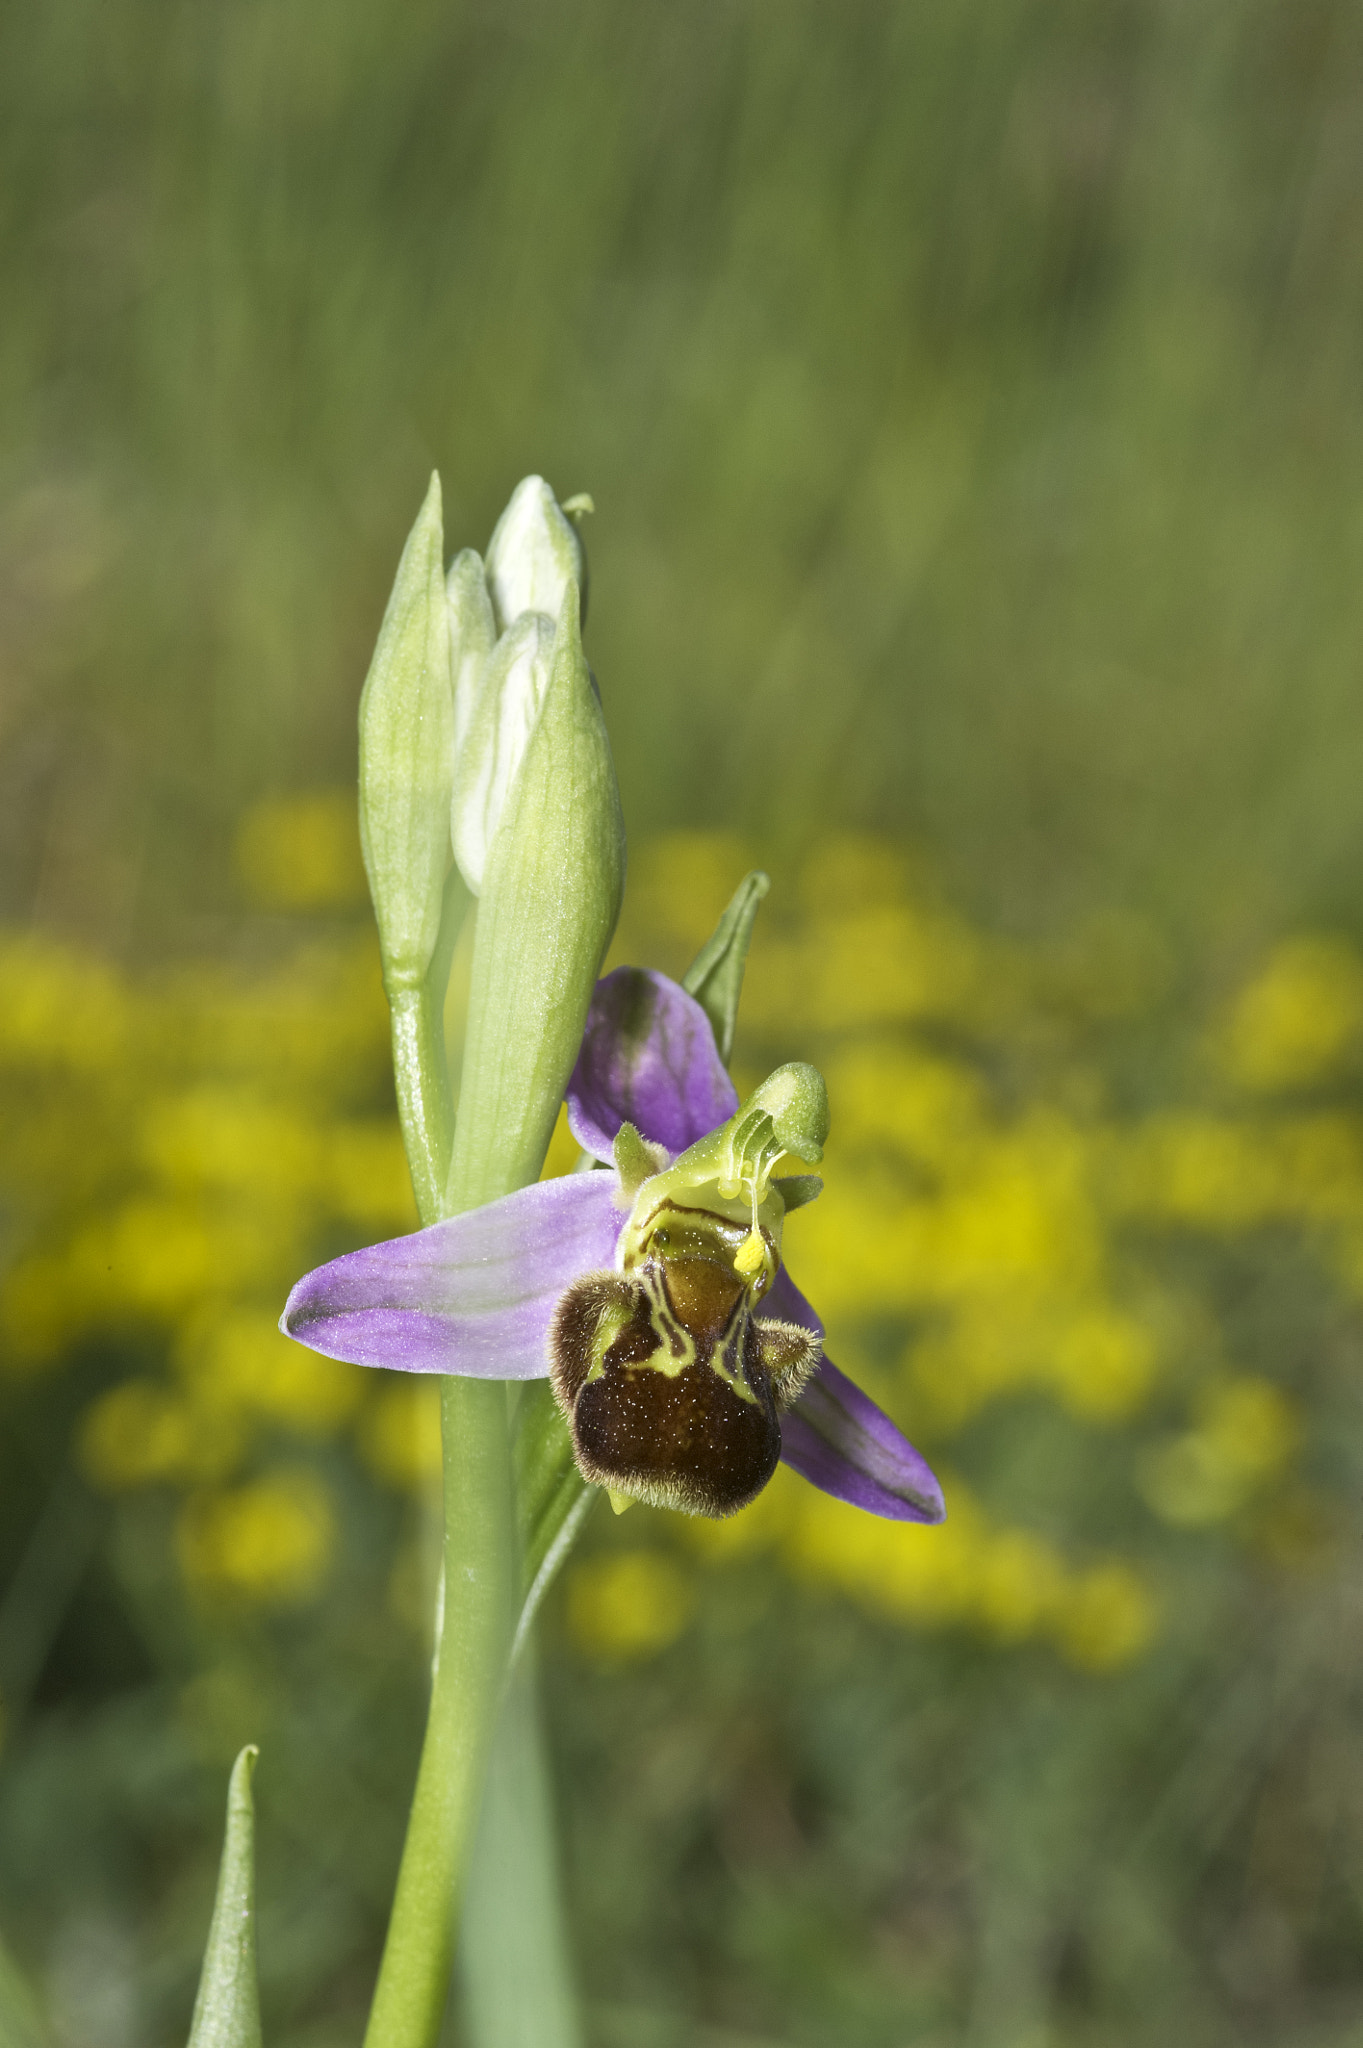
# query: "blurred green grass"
971,399
970,396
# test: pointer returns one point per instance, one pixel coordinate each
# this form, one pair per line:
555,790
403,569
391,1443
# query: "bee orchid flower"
649,1286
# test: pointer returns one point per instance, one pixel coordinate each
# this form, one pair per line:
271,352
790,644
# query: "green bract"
407,757
715,976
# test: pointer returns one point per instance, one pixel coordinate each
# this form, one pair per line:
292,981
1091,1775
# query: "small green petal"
796,1100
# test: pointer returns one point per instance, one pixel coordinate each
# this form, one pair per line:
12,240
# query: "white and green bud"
533,560
534,554
498,714
552,876
407,757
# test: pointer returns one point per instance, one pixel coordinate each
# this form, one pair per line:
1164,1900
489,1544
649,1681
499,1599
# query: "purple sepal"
648,1058
473,1296
837,1438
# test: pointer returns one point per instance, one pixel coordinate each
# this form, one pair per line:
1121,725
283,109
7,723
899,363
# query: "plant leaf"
227,2009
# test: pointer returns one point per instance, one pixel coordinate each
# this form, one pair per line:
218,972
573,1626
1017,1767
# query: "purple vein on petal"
648,1058
474,1295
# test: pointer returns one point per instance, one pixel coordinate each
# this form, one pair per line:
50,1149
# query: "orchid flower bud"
498,714
533,559
552,876
473,635
407,757
533,556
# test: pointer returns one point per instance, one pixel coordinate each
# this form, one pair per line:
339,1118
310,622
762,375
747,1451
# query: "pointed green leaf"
227,2009
715,976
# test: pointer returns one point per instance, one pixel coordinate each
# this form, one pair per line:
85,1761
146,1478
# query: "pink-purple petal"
472,1296
648,1058
836,1437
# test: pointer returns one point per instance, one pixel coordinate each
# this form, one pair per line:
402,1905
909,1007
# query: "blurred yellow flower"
1299,1019
399,1430
1246,1433
64,1012
1011,1585
142,1434
1108,1617
237,1360
628,1605
179,1141
302,852
267,1544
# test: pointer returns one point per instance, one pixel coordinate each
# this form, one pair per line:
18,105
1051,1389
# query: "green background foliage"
971,401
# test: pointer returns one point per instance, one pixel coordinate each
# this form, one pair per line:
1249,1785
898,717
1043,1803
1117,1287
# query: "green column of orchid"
536,826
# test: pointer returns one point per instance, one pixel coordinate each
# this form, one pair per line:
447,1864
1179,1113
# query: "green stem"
479,1572
514,1966
470,1663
